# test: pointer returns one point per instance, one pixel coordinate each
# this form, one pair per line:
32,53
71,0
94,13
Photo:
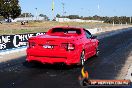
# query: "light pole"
81,10
63,7
36,13
98,7
53,6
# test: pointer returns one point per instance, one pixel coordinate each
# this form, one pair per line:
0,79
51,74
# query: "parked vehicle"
69,45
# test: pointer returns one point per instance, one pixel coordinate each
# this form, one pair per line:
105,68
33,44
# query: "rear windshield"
68,30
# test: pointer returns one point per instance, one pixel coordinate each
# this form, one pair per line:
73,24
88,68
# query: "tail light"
68,46
31,44
71,46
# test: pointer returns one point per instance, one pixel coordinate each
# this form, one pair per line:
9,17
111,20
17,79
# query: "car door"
88,44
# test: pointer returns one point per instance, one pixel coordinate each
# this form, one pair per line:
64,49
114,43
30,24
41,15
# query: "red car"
68,45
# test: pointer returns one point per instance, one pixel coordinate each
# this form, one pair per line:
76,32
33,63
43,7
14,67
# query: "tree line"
31,15
10,9
106,19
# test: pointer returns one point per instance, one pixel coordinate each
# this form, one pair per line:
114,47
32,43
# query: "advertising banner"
15,41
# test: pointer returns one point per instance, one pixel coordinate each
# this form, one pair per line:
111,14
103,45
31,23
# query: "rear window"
68,30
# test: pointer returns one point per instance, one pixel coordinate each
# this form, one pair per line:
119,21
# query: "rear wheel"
82,58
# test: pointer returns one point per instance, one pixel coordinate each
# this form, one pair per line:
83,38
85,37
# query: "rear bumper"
68,58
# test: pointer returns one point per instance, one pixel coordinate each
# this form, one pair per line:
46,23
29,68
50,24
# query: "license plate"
47,46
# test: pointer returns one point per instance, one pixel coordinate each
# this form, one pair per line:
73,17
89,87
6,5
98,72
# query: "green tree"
45,16
74,17
41,15
58,15
10,9
26,15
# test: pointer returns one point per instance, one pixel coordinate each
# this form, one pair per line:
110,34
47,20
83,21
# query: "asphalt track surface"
114,52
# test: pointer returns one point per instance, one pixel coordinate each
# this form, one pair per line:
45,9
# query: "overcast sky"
79,7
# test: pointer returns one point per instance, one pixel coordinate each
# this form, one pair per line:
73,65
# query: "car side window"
88,34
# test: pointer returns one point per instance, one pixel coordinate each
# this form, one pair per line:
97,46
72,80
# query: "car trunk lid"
52,42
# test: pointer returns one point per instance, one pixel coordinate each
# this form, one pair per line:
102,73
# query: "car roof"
67,27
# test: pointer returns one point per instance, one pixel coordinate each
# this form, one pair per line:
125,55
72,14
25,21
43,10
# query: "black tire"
97,52
82,58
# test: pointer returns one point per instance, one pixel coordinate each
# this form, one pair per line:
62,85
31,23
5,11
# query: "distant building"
77,20
29,19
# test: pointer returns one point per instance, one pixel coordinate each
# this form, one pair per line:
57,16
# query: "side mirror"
93,37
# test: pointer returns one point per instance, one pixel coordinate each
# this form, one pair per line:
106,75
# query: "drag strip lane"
114,52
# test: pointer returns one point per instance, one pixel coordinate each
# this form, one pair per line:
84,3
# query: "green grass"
34,27
21,31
